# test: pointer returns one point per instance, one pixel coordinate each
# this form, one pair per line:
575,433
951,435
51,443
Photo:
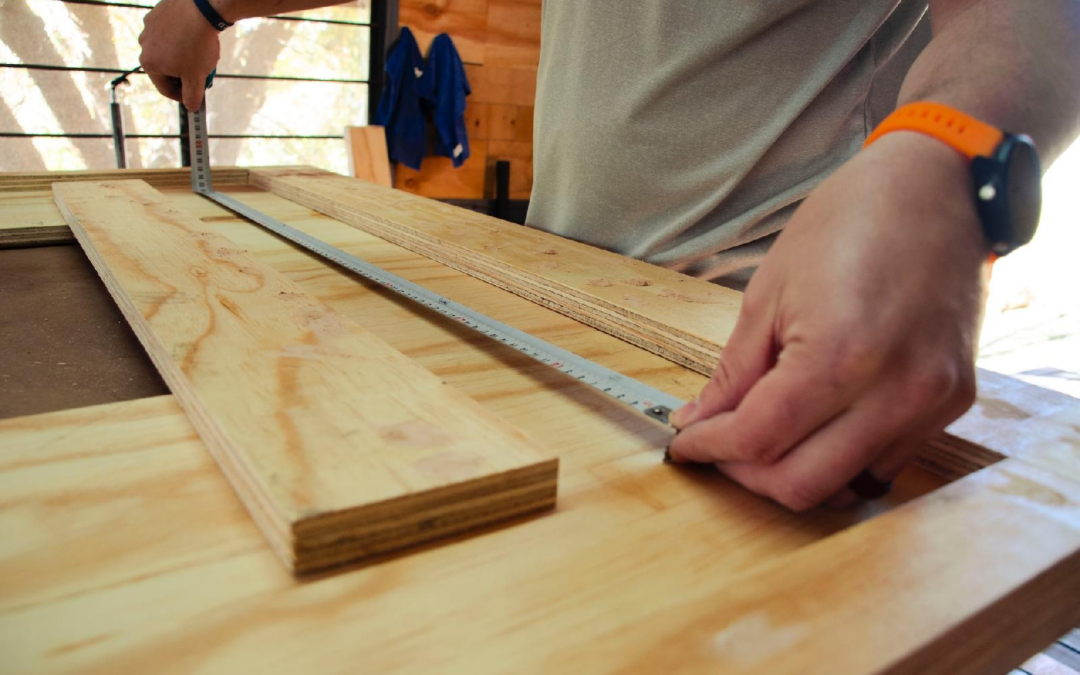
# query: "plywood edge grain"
159,178
312,419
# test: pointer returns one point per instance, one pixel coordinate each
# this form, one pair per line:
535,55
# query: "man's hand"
857,335
179,50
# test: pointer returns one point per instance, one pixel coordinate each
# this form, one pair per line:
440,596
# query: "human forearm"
234,10
1014,64
180,46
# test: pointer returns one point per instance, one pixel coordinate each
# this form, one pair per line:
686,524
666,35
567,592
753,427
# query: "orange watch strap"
964,133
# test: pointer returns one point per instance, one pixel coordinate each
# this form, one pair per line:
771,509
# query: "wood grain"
637,550
513,33
464,20
500,84
681,318
368,157
438,179
340,447
27,220
159,178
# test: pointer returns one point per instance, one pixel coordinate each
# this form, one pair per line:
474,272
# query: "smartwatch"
1005,168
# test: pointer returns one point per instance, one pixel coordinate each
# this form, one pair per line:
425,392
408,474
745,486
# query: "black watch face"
1023,185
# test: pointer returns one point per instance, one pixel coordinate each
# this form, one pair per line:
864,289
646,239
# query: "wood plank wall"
499,41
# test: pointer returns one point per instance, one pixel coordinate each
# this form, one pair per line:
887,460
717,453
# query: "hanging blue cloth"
399,109
443,89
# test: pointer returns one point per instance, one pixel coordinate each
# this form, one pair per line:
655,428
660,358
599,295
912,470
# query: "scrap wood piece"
339,446
680,318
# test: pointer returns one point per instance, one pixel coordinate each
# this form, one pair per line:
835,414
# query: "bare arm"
180,48
1012,63
858,333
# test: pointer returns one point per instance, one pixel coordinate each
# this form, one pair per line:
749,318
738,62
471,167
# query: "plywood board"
646,568
28,220
642,564
340,447
368,157
681,318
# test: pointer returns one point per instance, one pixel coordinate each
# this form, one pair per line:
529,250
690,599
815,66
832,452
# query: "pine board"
95,585
643,569
25,220
683,319
159,178
340,447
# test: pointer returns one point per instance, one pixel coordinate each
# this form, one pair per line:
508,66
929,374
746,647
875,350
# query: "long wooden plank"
159,178
27,221
678,317
783,617
100,586
339,446
646,568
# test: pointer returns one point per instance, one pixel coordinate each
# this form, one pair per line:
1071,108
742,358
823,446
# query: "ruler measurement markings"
638,395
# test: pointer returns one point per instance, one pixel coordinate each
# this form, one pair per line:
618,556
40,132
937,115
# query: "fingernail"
679,418
669,458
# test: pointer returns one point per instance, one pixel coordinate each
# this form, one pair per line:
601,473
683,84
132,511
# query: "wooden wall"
499,41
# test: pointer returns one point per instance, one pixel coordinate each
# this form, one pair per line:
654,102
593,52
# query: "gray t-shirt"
685,132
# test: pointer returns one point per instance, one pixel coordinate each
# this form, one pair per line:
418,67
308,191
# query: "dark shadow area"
65,343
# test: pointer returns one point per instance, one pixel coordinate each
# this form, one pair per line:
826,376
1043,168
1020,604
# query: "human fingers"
168,86
823,464
799,395
192,92
745,358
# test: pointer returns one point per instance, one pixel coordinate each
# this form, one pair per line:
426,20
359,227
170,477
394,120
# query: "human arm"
180,48
857,335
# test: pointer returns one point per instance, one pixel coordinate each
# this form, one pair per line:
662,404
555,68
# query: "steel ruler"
637,395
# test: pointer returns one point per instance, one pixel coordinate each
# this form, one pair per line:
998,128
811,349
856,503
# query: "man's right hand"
179,50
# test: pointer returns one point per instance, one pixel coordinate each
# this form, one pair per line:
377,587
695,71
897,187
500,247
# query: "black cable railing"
382,11
224,76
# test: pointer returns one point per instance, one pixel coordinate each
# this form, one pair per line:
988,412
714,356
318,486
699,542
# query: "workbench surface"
125,550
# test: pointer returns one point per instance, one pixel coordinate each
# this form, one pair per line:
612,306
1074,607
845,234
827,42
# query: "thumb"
191,89
744,360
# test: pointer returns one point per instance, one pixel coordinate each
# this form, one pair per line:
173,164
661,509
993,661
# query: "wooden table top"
126,550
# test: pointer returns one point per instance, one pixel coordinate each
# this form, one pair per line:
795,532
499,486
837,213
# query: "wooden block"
340,447
513,33
499,84
368,158
465,21
438,179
